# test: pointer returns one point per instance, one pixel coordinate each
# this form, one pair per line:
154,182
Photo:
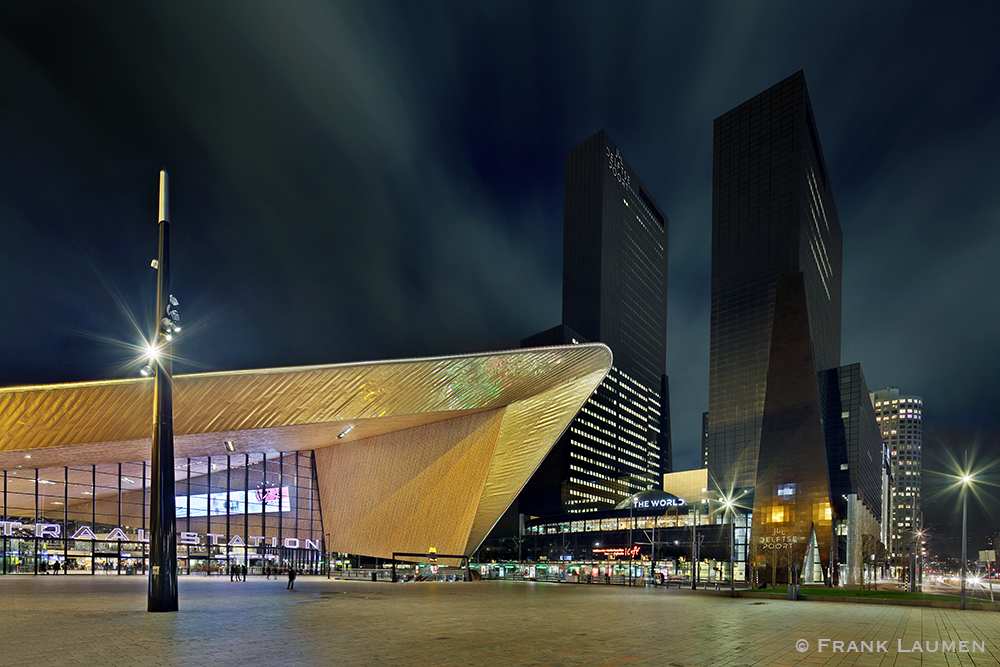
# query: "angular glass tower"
614,292
773,216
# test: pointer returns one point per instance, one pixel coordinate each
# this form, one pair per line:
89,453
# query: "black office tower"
614,292
614,259
773,216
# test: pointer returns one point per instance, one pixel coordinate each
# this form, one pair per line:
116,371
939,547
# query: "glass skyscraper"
614,292
773,216
854,447
615,259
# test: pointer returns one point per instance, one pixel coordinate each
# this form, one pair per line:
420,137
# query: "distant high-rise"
614,292
773,217
901,420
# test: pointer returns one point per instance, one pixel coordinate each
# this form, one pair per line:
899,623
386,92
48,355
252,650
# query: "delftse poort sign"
778,539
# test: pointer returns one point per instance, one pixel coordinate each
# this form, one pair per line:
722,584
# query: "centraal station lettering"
54,531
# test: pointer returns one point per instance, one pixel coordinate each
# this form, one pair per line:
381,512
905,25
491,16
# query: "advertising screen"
237,502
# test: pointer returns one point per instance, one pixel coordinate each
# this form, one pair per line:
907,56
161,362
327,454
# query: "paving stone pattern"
101,620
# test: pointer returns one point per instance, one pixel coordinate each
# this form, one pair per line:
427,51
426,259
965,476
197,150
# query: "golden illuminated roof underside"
410,454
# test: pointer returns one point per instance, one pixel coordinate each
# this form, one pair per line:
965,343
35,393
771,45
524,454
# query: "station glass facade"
257,510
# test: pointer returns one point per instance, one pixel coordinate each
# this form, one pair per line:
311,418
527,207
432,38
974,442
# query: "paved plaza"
101,620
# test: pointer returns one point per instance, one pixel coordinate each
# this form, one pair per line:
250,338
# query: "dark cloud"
368,180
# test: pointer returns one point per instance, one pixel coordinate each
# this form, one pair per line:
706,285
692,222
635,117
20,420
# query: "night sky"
373,180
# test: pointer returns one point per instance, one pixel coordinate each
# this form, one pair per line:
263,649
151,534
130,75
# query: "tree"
772,557
791,557
863,540
753,555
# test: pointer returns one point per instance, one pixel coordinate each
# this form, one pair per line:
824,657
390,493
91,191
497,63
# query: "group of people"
43,567
238,572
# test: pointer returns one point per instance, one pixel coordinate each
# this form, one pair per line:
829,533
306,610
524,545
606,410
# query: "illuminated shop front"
261,511
651,532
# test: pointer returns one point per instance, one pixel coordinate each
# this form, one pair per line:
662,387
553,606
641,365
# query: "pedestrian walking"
243,572
291,579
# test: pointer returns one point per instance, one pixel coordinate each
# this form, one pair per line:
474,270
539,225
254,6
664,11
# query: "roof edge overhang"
371,397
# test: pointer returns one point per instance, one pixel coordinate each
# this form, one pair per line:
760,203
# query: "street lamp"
162,592
913,547
728,503
966,480
918,568
694,550
631,520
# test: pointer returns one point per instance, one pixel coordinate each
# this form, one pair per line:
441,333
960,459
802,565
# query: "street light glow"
729,503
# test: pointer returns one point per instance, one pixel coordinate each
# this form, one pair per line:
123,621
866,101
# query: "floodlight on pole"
162,592
152,353
731,513
966,481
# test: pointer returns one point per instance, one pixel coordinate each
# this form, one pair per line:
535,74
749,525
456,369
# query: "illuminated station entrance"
261,511
273,468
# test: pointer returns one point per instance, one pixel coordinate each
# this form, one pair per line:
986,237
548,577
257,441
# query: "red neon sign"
619,552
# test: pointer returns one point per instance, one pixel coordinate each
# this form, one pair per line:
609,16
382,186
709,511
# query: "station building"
283,467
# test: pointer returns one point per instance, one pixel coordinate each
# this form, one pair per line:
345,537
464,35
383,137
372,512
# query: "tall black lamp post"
965,515
631,520
163,513
913,549
731,512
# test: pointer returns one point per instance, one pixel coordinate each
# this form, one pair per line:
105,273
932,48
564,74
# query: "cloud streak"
367,180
